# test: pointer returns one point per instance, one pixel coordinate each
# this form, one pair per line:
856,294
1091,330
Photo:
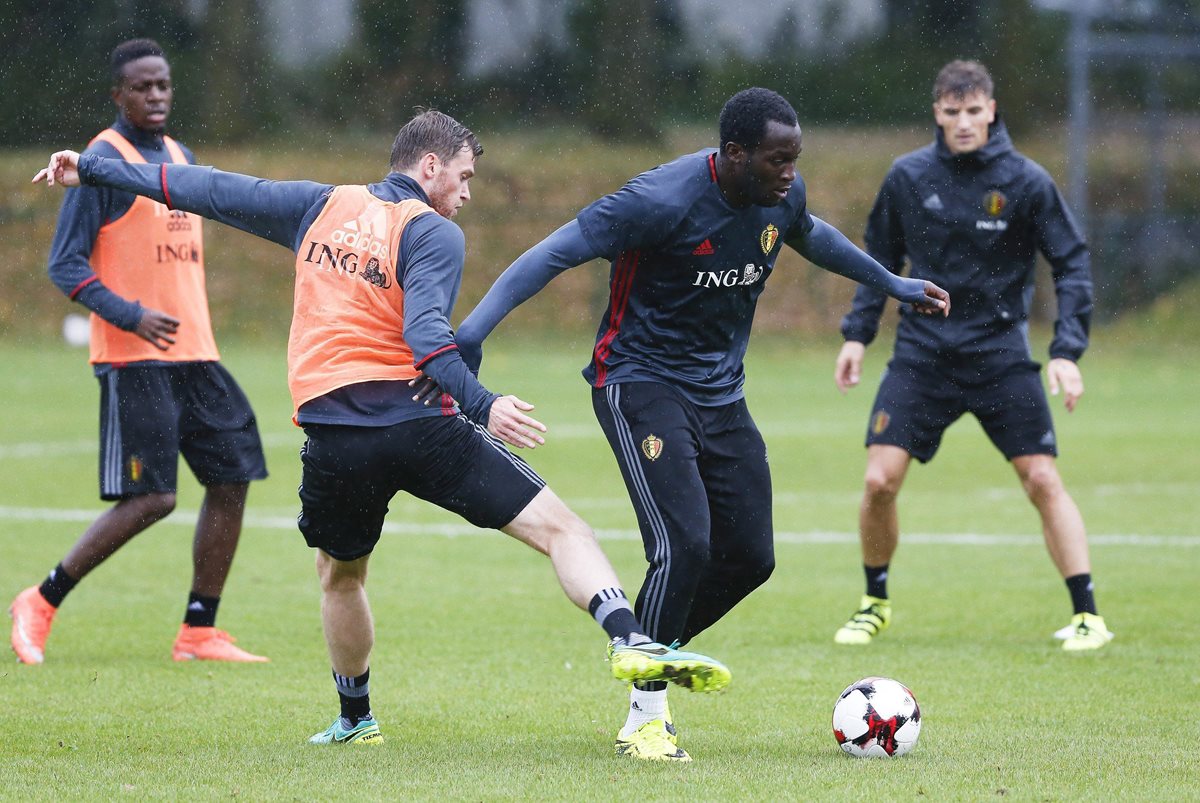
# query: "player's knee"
339,575
1042,482
152,507
881,486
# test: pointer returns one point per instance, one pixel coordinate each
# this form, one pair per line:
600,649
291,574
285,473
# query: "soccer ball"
876,718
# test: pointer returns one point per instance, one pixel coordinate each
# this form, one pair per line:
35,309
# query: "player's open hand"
848,369
508,422
425,390
1065,375
158,328
933,301
63,169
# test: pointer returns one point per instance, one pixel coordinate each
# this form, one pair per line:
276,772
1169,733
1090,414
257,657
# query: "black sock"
611,609
650,685
201,611
57,585
876,580
354,696
1082,598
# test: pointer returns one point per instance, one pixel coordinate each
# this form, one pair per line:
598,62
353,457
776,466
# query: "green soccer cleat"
364,732
654,661
652,742
872,618
1090,633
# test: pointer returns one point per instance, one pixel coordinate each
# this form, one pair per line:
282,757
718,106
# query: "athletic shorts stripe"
499,446
655,588
112,460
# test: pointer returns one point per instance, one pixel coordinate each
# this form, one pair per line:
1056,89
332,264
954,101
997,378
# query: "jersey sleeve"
638,216
84,210
1062,243
803,222
272,210
884,241
432,251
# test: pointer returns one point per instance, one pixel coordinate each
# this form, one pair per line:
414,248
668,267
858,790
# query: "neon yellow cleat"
652,742
654,661
1090,633
872,618
364,732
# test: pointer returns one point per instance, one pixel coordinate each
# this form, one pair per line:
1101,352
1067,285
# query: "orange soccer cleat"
210,644
32,617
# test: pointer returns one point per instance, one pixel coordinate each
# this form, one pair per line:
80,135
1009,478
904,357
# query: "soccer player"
378,269
692,244
139,267
970,212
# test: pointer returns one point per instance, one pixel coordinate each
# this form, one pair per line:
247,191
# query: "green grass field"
489,685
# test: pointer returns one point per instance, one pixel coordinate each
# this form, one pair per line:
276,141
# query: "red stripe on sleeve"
712,166
82,285
429,357
166,193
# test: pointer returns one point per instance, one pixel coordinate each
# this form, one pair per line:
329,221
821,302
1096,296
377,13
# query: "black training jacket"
972,224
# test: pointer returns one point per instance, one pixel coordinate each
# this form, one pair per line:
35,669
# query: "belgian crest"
652,446
768,238
994,203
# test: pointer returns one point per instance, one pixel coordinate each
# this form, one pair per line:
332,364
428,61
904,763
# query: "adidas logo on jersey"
704,249
349,235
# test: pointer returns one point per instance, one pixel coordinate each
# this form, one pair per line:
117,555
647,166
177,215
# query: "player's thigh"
469,472
139,432
218,430
913,407
347,480
737,481
654,435
1015,413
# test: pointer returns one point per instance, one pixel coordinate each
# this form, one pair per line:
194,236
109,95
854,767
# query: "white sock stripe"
608,607
656,584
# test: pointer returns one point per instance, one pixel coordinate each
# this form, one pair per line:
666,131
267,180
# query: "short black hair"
961,79
745,116
128,51
431,131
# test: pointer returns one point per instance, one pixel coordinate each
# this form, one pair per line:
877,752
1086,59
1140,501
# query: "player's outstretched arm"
828,248
62,170
533,270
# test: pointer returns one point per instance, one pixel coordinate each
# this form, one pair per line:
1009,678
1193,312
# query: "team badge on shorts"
880,422
135,468
768,238
652,447
994,203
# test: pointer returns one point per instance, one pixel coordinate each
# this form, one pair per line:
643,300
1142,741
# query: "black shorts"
350,474
918,400
149,415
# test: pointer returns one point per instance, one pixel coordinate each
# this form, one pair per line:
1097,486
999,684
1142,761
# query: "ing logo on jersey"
880,422
994,203
652,447
768,238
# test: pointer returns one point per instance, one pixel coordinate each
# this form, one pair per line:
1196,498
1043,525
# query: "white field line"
187,518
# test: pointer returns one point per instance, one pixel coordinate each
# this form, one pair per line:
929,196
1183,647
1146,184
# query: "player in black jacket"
969,213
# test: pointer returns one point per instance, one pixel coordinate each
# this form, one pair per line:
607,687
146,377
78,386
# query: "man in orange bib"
378,269
139,267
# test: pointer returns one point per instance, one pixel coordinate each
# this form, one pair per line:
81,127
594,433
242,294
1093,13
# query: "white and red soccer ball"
876,718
